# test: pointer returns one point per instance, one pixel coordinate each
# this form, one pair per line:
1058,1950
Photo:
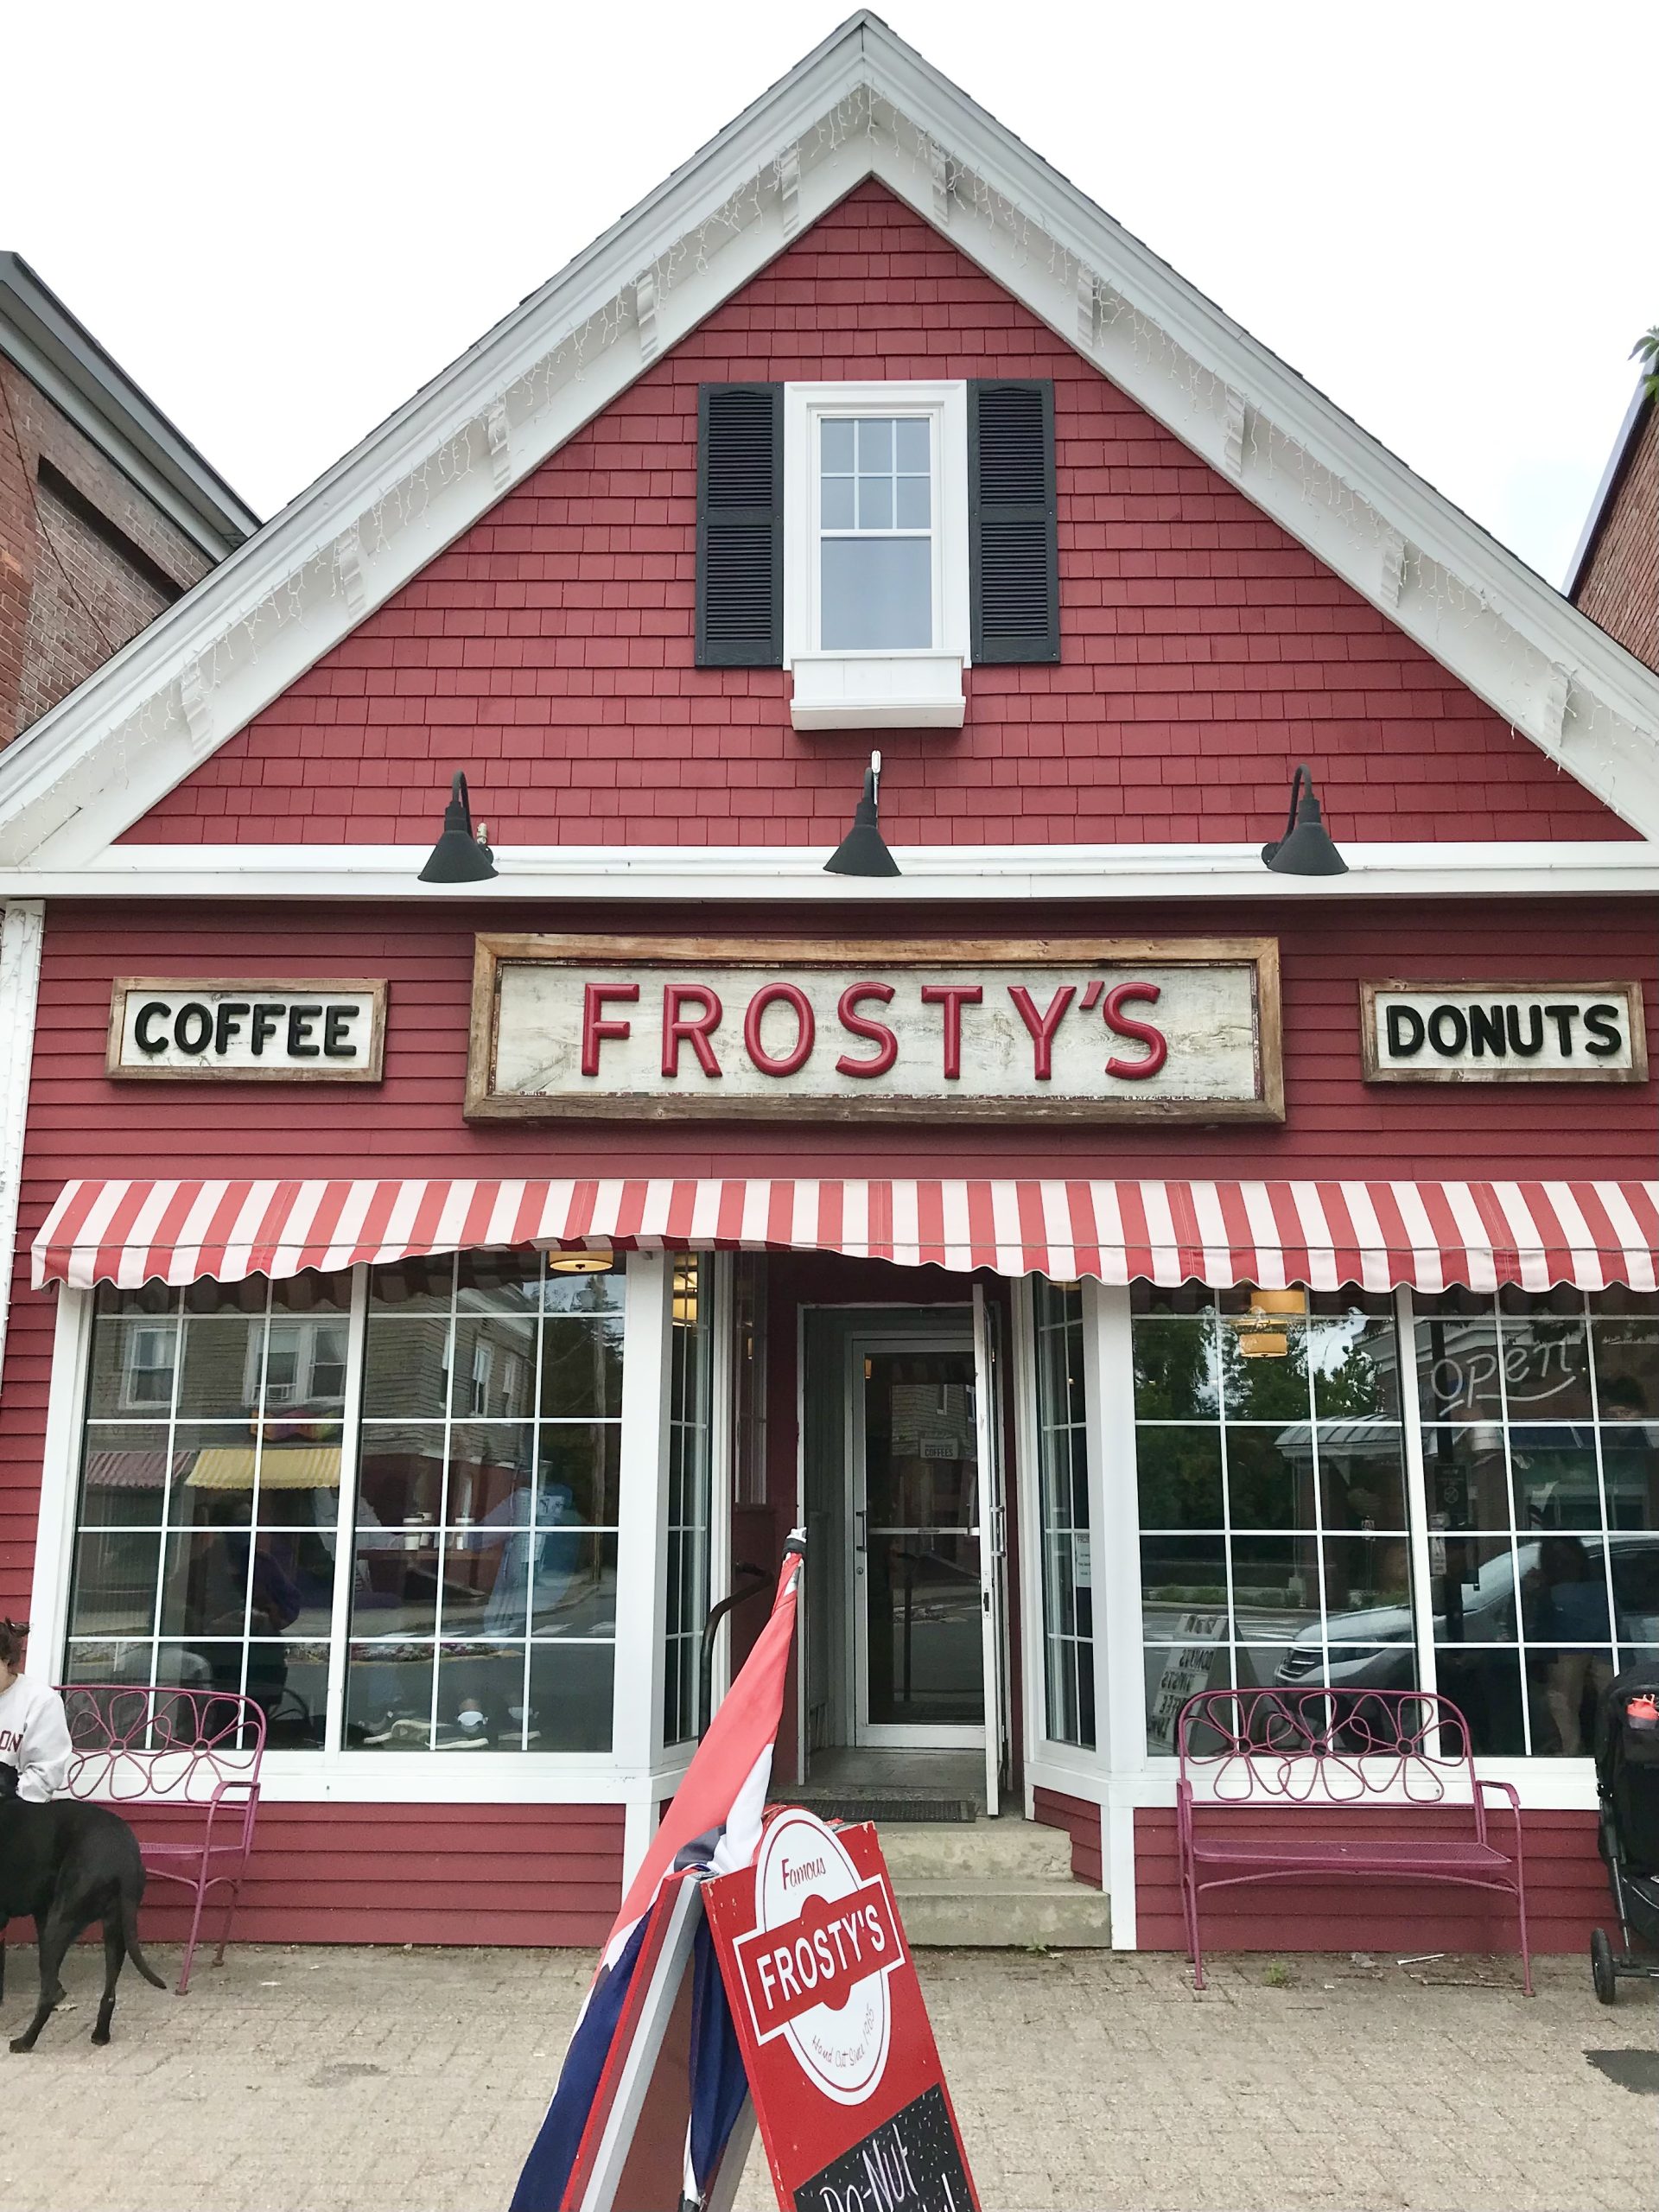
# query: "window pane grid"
1062,1463
875,558
687,1593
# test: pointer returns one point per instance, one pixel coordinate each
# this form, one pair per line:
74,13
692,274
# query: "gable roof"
57,353
1618,462
863,105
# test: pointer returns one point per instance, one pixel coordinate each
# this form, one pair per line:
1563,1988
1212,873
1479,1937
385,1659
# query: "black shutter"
741,525
1015,574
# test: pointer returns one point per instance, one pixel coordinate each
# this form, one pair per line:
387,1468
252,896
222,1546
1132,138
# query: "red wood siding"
1566,1890
82,1124
1081,1821
550,651
516,1874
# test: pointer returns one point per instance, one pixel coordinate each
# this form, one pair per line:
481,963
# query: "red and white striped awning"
1379,1235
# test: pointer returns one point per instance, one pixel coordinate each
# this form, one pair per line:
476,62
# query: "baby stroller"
1627,1786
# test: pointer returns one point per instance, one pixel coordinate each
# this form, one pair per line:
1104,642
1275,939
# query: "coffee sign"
1498,1033
1187,1029
296,1033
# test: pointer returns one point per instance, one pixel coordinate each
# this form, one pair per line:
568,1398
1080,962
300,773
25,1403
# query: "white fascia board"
863,105
776,875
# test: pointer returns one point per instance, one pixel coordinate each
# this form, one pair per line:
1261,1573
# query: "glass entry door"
918,1638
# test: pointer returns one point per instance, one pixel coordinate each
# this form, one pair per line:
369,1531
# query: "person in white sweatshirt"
34,1734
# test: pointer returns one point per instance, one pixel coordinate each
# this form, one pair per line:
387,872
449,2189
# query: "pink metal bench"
191,1758
1253,1751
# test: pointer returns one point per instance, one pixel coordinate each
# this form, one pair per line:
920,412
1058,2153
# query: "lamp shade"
459,856
863,850
1306,848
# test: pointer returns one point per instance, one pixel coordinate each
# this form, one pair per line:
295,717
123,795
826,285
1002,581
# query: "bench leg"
230,1914
1190,1906
196,1930
1521,1915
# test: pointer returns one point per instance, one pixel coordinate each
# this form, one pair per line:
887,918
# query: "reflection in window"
205,1553
1062,1477
691,1342
1270,1463
483,1601
1543,1491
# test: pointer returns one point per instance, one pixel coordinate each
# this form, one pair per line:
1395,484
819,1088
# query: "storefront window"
1541,1485
1063,1475
691,1341
483,1602
1271,1467
205,1543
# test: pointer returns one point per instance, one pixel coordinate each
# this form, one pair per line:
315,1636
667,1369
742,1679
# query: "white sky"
282,219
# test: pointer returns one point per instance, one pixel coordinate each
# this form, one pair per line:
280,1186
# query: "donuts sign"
734,1029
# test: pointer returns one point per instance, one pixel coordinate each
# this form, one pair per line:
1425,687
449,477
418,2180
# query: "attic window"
876,554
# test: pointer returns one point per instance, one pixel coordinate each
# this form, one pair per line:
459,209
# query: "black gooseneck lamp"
863,850
1306,848
460,855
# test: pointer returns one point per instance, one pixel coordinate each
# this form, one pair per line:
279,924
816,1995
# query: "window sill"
877,691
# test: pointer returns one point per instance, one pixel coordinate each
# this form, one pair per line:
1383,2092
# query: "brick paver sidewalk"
316,2080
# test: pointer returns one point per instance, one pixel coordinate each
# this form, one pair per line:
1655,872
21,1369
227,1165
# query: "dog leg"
115,1953
57,1932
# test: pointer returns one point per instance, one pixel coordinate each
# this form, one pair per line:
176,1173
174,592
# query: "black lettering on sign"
228,1024
1448,1032
1486,1031
1405,1032
151,1010
1563,1017
336,1045
911,2162
301,1021
267,1014
193,1026
1535,1042
1604,1038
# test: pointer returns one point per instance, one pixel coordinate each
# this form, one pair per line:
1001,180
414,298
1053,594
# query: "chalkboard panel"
911,2162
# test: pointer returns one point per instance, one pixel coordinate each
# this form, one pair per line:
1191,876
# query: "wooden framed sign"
1502,1033
1182,1030
217,1029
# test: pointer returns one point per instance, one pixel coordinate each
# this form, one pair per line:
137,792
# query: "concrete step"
998,1885
1004,1915
1006,1848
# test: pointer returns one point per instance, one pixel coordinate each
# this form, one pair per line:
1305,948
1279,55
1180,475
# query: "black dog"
65,1864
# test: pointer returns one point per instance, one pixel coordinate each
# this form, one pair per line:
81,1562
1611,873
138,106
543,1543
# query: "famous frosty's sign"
841,2060
1095,1031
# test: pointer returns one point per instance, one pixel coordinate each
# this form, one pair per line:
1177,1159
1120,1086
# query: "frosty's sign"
841,2060
1185,1029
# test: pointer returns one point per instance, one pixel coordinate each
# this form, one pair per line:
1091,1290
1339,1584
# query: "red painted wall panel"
82,1124
550,651
1053,1809
1566,1890
516,1874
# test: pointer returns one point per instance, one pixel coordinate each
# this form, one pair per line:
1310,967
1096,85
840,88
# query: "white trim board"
863,105
745,873
22,935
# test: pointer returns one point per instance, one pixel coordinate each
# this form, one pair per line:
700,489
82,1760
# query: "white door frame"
944,1736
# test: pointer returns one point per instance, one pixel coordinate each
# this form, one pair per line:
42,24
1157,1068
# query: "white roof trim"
747,874
863,105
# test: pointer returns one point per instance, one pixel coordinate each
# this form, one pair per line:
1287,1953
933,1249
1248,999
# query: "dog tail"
130,1938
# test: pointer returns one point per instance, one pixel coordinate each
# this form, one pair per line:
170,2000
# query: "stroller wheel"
1601,1967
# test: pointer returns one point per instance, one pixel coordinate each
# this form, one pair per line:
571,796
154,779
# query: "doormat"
830,1805
1631,2069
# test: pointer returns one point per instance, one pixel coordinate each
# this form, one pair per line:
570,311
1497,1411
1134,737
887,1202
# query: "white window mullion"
723,1462
640,1594
1113,1512
1417,1529
346,1515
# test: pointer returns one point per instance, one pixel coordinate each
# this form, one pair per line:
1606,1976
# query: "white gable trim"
864,104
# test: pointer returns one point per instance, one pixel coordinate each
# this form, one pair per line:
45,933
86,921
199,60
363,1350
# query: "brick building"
107,515
1615,572
1141,1268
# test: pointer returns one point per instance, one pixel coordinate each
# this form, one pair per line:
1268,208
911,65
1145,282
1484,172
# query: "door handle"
862,1534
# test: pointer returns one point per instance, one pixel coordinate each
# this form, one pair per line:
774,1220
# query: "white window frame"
918,688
